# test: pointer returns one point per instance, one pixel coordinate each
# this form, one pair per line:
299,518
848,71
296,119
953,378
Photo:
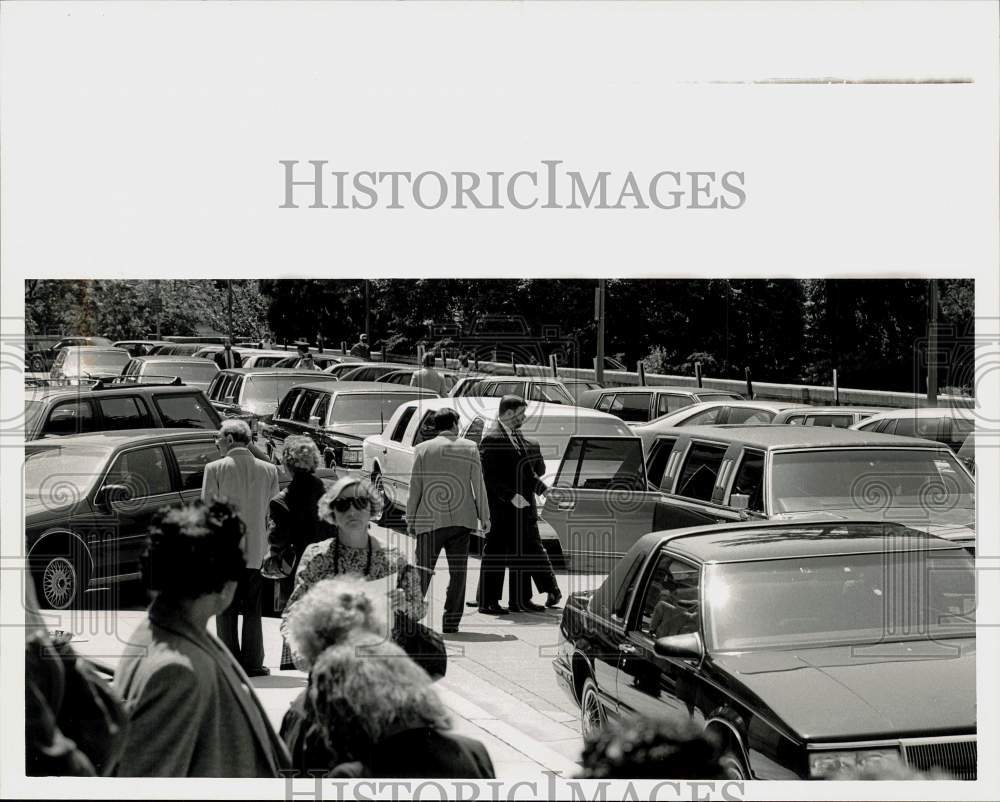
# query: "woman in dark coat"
377,711
294,521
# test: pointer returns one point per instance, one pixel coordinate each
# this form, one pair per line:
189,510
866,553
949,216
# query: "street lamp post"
599,316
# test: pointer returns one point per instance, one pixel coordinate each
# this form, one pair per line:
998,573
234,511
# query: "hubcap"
592,719
59,583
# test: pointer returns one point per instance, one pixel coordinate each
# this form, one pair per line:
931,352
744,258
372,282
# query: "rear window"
70,417
632,406
186,411
124,412
368,407
186,370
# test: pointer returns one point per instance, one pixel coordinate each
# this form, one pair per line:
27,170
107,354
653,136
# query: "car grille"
957,757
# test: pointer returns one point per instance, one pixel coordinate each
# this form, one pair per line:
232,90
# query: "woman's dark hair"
647,747
193,549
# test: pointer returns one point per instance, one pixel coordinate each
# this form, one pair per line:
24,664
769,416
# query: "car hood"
855,692
43,510
957,523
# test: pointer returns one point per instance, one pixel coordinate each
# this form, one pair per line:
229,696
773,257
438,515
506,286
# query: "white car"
838,417
948,425
712,413
530,388
388,457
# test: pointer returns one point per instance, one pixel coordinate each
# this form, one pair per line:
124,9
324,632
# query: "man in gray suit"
427,378
447,501
248,484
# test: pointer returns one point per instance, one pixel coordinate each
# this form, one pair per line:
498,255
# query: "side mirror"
109,494
739,501
686,647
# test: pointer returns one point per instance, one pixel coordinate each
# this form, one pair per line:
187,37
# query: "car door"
397,453
667,603
190,459
697,478
146,481
600,503
419,429
667,403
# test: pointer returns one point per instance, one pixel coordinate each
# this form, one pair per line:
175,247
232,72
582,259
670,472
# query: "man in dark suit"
227,357
511,485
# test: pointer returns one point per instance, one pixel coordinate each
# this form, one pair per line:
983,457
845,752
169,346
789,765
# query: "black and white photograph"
495,401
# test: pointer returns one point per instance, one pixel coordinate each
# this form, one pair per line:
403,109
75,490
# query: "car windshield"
186,370
552,433
99,361
850,598
61,474
869,480
368,407
267,391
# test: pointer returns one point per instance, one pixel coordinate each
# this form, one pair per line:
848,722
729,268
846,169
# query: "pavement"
500,686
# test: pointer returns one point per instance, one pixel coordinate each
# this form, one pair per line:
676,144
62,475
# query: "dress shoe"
288,667
554,599
493,609
531,607
260,671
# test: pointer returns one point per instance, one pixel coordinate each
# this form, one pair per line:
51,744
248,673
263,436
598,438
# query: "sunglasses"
344,504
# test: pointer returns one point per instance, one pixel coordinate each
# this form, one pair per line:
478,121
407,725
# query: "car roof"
76,391
495,378
119,437
471,406
188,360
925,412
359,387
805,408
812,537
780,435
273,371
90,348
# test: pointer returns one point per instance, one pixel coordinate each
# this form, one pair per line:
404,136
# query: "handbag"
423,645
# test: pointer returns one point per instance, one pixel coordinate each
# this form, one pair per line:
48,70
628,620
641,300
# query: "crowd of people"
181,703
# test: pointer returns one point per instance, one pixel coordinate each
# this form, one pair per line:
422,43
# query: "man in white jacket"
248,484
447,501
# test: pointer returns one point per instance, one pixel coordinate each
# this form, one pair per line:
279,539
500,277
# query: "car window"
834,421
605,402
632,406
656,464
370,407
191,461
552,393
869,427
70,417
608,464
961,428
143,471
322,408
124,412
749,480
671,402
288,404
475,431
704,418
404,421
749,415
186,411
670,601
425,429
304,408
700,470
796,420
500,389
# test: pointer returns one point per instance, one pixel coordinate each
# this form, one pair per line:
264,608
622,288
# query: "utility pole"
229,289
368,314
932,337
599,317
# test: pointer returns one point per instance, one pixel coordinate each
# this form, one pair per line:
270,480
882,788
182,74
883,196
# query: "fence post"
641,370
320,339
420,355
343,347
553,363
513,363
697,372
749,384
836,389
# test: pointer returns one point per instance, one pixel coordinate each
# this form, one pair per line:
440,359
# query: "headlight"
351,455
829,764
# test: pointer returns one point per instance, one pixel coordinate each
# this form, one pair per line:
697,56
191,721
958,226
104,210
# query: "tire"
732,765
592,715
61,580
329,460
388,510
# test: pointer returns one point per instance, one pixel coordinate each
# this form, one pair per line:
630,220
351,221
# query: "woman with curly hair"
192,712
349,505
294,521
377,710
333,611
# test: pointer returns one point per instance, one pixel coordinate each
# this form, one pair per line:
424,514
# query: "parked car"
388,456
192,371
176,349
253,394
404,376
840,417
322,361
70,342
530,388
374,373
261,358
642,404
89,361
712,413
967,453
608,492
806,647
104,406
948,425
342,368
577,387
338,416
139,347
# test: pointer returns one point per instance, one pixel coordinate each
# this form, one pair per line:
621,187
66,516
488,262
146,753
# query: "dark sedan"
810,648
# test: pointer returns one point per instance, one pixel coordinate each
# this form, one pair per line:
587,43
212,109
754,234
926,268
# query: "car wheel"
329,460
592,717
60,582
732,766
37,364
387,508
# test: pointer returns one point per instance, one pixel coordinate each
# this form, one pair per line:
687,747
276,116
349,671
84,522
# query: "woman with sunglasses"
350,504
